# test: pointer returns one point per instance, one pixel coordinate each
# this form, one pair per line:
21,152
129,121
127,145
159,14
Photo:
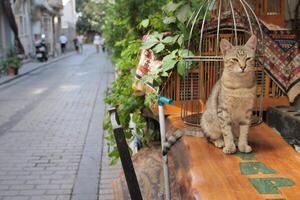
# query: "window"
46,24
22,25
21,19
273,7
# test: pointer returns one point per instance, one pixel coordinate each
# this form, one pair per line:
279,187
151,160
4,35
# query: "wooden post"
131,179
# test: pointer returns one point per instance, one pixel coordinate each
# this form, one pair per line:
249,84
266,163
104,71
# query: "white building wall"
69,19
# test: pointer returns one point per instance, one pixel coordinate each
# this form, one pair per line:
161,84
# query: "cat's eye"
234,60
249,58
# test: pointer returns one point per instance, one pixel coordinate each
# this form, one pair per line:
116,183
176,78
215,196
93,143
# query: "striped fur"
227,117
192,131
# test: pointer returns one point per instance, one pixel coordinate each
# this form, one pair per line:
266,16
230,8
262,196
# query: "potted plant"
12,65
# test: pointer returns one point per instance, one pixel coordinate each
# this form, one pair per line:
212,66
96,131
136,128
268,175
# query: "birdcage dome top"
216,17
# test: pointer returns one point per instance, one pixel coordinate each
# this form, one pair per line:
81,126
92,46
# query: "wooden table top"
204,172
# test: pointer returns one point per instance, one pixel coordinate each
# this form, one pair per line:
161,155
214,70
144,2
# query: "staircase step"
286,120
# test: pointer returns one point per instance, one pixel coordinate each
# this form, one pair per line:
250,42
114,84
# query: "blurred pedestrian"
63,40
97,42
80,40
75,41
102,44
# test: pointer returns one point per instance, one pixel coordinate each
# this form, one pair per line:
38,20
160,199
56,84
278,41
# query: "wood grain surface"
205,172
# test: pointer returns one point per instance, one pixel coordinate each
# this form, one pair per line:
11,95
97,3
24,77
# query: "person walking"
97,42
76,46
63,40
80,40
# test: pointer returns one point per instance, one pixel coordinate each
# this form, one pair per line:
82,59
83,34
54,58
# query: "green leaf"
184,53
170,39
158,36
114,161
183,13
168,62
180,40
171,6
169,20
164,74
145,23
173,53
158,48
181,68
149,43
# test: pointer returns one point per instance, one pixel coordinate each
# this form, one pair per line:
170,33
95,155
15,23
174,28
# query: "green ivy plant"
125,23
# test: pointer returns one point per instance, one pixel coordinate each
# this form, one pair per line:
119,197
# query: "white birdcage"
234,20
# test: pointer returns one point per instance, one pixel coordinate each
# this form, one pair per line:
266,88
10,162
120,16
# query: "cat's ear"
252,42
225,45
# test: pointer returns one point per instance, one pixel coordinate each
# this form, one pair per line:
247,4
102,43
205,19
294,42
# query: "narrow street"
51,130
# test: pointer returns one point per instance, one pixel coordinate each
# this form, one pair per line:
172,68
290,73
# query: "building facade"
46,21
22,11
69,19
6,35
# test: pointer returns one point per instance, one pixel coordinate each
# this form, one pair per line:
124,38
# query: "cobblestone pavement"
51,130
108,173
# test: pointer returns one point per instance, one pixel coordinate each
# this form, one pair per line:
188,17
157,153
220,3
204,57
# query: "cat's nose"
243,68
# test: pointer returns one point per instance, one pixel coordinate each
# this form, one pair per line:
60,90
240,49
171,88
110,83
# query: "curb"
36,68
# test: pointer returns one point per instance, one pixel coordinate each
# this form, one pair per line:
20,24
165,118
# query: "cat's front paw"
219,143
245,148
229,149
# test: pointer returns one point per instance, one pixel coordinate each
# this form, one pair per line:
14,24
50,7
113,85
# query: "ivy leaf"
145,23
168,62
158,48
149,43
158,36
181,68
183,13
180,40
169,20
171,6
164,74
184,53
173,53
114,153
169,40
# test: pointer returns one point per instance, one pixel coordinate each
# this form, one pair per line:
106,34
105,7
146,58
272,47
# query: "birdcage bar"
218,28
194,22
234,23
203,22
203,58
248,17
256,18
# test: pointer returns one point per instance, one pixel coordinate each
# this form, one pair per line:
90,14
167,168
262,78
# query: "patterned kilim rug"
282,61
148,168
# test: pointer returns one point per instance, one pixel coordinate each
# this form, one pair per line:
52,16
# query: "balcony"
56,4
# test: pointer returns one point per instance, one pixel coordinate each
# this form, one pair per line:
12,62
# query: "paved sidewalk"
32,66
51,130
108,173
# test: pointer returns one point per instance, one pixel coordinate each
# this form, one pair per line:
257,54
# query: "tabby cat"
227,117
228,112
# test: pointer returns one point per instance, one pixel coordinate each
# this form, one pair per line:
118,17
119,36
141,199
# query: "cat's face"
239,60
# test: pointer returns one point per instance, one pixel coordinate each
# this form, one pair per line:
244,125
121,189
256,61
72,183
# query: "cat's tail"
171,141
177,135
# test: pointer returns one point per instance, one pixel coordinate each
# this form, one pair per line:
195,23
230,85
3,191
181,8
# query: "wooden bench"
204,172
